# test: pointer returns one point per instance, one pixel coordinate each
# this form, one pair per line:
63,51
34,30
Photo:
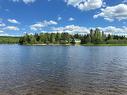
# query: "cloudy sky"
74,16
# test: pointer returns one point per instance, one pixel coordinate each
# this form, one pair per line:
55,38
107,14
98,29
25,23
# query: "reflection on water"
63,70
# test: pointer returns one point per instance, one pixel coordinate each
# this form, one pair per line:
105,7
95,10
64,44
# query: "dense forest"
9,40
94,37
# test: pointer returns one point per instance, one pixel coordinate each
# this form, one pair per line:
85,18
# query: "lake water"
63,70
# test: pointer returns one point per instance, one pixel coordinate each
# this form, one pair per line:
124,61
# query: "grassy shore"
49,44
90,44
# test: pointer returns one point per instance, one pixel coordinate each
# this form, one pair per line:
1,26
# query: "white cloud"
1,31
71,29
40,25
25,1
2,25
4,34
59,18
14,28
85,5
114,30
13,21
71,19
118,12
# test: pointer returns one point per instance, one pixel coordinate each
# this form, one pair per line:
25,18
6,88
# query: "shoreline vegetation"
9,40
76,44
94,38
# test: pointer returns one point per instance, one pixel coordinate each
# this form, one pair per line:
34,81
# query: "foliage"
94,37
9,40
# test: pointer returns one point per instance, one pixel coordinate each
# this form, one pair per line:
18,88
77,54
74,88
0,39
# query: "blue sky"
73,16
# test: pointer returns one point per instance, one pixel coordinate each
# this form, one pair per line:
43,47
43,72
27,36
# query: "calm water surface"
63,70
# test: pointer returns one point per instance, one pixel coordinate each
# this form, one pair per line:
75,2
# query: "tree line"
94,37
9,40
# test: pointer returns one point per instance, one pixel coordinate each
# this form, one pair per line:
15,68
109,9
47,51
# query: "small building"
76,41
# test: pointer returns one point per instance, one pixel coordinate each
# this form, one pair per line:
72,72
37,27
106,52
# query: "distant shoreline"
90,44
50,44
76,44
